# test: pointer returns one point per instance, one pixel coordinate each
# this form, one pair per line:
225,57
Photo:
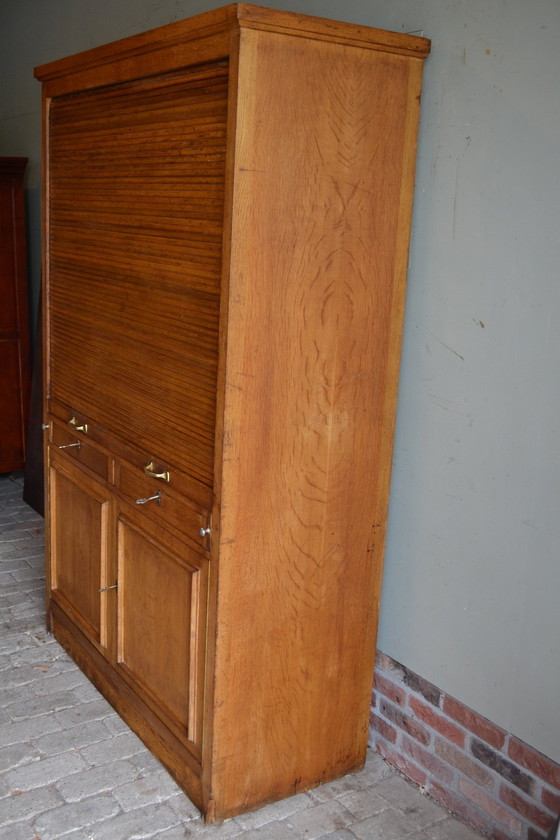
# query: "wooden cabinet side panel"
323,174
15,361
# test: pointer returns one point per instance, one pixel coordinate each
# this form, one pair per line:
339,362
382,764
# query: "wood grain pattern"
316,270
80,548
228,211
136,208
161,597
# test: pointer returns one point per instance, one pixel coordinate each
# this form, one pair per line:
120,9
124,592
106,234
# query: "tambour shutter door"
135,239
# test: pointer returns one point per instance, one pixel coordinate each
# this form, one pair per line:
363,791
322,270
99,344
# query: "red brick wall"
486,776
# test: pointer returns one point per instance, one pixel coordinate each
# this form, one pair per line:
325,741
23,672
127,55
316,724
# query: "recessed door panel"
80,539
161,626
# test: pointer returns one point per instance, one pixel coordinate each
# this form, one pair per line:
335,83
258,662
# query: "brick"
404,722
536,762
429,691
457,805
407,768
383,728
428,760
383,662
535,835
490,805
529,810
501,765
395,693
437,722
475,723
551,800
463,763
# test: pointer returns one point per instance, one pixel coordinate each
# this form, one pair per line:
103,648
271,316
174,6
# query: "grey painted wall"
472,575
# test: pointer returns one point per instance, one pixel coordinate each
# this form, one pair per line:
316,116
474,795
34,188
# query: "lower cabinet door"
162,623
81,549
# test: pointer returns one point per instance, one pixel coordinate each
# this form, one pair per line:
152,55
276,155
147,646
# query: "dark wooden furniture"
15,367
228,202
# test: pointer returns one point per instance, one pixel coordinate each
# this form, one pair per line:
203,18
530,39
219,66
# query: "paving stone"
278,830
362,803
44,772
31,707
451,829
15,755
96,780
183,807
144,791
18,807
86,692
26,730
407,799
320,819
96,809
58,682
117,726
18,831
145,762
141,824
275,812
387,825
199,831
121,746
74,738
83,712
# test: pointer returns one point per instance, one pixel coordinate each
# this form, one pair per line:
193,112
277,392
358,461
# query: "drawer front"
76,446
161,504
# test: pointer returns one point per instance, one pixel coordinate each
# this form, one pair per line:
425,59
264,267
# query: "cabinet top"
217,26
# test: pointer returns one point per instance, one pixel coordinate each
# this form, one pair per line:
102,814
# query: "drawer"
80,449
168,508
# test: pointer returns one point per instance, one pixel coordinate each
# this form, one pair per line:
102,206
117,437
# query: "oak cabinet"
15,366
227,212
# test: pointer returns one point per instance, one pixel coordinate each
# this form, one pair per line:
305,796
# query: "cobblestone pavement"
70,768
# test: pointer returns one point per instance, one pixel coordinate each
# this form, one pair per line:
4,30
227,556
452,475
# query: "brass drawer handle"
156,499
71,445
149,469
78,425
